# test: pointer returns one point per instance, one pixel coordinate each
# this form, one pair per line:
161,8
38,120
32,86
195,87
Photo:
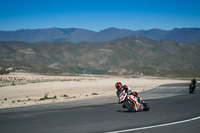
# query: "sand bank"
64,88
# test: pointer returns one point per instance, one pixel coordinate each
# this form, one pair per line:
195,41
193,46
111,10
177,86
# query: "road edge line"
155,126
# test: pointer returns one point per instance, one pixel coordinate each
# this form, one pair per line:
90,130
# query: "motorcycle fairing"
122,96
134,100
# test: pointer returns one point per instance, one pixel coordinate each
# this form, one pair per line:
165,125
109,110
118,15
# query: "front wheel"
191,89
146,106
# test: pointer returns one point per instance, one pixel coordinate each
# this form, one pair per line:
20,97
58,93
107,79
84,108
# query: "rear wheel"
130,105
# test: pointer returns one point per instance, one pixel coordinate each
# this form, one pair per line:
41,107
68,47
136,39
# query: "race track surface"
168,104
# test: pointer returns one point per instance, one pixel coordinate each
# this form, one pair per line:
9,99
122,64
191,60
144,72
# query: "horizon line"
101,29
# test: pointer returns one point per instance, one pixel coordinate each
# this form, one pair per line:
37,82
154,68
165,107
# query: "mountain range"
82,35
129,55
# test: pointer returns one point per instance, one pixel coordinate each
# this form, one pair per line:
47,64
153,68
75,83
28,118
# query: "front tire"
146,106
191,89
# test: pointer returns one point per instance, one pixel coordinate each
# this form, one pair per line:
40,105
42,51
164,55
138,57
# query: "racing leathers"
193,82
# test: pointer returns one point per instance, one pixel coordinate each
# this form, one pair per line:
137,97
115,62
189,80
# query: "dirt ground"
23,89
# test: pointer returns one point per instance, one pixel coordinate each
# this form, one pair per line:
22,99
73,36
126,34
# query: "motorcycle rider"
193,82
127,89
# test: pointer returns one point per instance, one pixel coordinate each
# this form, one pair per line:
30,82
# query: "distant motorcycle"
192,87
132,103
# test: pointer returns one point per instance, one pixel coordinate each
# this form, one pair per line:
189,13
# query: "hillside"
131,55
82,35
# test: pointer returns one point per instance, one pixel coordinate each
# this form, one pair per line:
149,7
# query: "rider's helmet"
135,93
118,85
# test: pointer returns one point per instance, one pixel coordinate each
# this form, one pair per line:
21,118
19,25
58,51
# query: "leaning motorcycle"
192,87
131,102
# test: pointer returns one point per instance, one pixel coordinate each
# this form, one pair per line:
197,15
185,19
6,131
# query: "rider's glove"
129,92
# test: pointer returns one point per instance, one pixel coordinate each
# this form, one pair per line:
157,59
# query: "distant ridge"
126,56
82,35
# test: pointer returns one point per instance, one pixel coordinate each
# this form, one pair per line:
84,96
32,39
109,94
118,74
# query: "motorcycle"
192,87
131,102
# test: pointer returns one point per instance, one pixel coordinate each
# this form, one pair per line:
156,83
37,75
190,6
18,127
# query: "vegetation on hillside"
131,55
3,71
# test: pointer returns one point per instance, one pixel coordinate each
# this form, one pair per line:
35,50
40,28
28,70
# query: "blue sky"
99,14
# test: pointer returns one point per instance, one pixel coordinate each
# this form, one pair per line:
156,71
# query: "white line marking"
161,125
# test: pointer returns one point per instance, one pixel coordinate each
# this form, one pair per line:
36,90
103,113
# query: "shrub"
95,94
42,99
4,72
46,97
65,95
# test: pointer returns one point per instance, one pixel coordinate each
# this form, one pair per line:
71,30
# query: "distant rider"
193,82
127,89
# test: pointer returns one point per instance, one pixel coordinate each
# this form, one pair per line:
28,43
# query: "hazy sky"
99,14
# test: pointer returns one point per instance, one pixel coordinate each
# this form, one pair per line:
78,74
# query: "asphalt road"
168,104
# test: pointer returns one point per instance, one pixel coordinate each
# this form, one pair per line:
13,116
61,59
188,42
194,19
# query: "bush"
95,94
65,95
46,97
42,99
4,72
